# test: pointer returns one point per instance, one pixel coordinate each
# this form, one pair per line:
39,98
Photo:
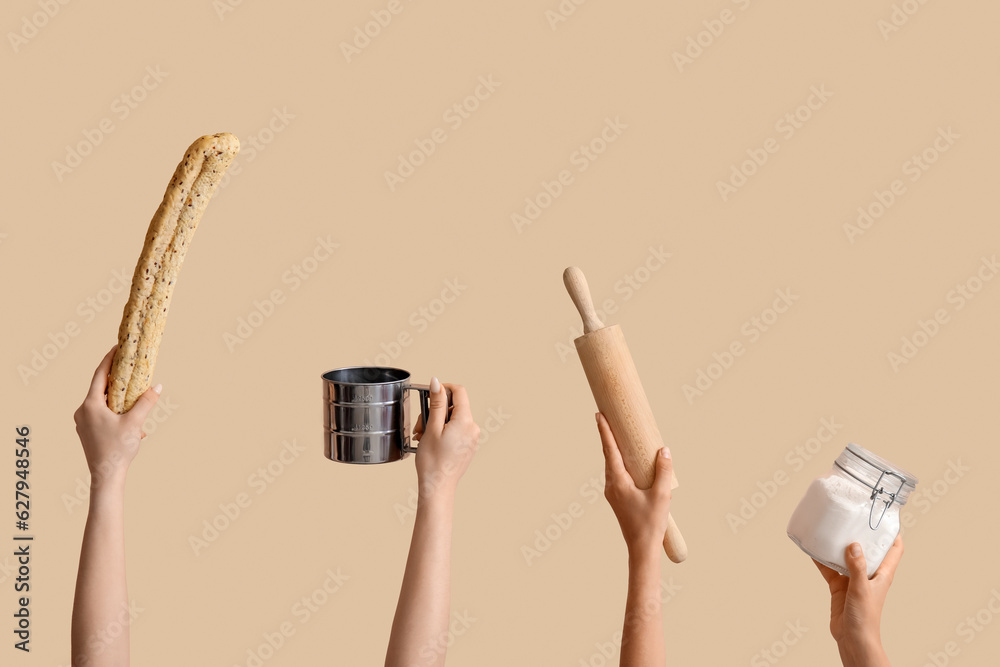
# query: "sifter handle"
424,390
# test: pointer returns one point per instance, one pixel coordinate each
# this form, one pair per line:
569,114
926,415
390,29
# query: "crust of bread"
194,182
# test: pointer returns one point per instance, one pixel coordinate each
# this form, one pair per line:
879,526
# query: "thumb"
438,404
857,588
664,473
144,404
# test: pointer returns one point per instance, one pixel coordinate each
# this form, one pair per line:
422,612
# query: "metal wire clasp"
879,490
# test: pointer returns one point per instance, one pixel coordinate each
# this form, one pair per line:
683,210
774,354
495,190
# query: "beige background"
322,175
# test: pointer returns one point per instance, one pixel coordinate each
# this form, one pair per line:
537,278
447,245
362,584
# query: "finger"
887,569
614,466
438,403
828,573
460,410
857,587
418,429
663,473
144,404
99,385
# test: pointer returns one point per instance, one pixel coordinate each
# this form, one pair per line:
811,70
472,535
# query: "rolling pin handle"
579,291
673,542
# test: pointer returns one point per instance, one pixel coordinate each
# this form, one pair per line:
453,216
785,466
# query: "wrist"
107,478
108,498
436,497
644,554
110,468
434,485
863,651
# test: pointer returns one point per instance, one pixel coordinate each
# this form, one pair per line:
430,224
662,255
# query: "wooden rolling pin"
618,392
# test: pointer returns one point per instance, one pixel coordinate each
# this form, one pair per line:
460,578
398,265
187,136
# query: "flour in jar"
833,514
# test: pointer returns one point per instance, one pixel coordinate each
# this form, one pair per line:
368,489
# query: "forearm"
421,618
101,594
863,653
642,633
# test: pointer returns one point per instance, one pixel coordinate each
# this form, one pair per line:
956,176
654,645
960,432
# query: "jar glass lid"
877,473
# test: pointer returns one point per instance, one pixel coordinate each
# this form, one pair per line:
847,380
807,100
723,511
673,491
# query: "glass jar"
857,501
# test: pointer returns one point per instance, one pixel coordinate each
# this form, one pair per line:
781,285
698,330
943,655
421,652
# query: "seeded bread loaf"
193,184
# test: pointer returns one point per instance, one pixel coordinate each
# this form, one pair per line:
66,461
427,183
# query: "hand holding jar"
856,605
848,521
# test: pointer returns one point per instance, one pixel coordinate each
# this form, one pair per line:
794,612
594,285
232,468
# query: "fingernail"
855,550
665,452
435,385
158,388
597,416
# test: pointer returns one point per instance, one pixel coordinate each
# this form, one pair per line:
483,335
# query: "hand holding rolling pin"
643,514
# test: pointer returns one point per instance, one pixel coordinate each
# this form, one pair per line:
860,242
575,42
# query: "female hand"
446,448
643,514
110,441
856,603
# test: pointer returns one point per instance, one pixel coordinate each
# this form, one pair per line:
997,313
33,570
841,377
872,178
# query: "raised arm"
110,442
445,451
856,605
643,516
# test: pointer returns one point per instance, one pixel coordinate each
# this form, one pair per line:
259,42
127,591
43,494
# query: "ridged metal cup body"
366,416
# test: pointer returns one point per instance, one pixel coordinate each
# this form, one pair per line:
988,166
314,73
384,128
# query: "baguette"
170,231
